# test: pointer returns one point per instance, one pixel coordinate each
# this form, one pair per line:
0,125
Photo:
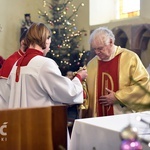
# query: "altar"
103,133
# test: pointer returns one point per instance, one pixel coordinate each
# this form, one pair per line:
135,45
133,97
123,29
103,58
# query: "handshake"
82,72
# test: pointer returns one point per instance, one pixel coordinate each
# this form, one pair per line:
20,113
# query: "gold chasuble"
130,96
108,77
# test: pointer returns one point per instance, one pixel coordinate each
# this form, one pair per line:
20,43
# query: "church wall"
130,26
12,13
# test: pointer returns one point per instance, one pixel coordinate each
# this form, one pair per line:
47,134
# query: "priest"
117,80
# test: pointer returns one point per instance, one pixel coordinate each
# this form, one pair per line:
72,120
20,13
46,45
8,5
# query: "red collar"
24,60
20,52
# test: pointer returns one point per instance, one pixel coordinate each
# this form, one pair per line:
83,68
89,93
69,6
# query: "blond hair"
37,34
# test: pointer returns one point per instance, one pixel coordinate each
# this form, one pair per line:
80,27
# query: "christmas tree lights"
61,16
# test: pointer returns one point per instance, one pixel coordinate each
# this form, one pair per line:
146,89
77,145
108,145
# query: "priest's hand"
108,99
83,74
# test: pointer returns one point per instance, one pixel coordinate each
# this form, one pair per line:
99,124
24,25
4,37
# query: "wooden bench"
34,128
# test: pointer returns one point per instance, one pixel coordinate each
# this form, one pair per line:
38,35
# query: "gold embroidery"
105,80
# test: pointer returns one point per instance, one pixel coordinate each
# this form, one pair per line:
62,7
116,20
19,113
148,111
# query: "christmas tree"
66,38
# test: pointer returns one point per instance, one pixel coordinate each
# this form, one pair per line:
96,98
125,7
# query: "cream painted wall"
12,13
83,23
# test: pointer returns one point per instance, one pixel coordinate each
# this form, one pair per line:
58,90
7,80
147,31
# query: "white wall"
101,12
145,9
143,18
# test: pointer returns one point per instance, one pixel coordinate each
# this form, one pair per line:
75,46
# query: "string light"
82,4
66,37
44,3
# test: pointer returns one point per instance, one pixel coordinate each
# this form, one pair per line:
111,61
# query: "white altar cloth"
103,133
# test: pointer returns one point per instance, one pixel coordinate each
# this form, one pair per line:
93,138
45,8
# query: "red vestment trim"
9,62
24,60
108,77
